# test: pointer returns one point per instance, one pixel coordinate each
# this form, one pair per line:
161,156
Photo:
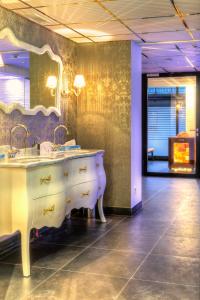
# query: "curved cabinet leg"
25,252
100,209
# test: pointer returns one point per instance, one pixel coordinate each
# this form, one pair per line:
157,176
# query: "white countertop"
52,158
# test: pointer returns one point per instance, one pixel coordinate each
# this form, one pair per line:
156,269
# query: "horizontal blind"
162,125
15,90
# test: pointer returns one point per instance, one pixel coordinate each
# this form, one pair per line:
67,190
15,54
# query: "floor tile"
114,263
178,246
75,286
144,290
158,214
46,255
126,241
188,216
171,269
169,224
84,224
72,237
142,226
186,229
14,286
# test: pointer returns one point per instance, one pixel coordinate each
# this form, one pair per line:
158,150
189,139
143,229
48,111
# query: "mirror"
24,70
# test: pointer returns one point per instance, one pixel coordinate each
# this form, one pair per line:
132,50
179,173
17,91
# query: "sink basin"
26,161
30,159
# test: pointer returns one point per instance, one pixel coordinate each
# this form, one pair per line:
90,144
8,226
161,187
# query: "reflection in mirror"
14,75
24,70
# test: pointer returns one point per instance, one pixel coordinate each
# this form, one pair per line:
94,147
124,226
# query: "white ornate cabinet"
34,195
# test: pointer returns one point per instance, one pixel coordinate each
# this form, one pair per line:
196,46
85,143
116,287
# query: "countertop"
52,158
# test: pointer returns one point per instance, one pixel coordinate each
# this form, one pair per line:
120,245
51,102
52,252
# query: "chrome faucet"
56,129
12,130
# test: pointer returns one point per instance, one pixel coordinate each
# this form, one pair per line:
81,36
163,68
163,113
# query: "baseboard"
137,208
123,210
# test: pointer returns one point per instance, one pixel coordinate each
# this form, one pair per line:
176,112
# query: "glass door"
171,125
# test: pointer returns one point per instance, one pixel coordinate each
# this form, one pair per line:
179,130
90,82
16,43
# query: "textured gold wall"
41,66
103,113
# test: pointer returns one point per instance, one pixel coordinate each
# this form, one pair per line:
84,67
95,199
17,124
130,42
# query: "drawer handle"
46,179
86,194
83,169
47,210
68,200
66,174
97,165
99,188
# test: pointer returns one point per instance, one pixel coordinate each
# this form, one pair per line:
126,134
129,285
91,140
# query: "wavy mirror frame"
8,33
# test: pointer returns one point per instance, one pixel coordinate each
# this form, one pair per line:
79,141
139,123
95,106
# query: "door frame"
145,124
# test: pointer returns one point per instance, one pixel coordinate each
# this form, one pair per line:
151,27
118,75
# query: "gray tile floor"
154,255
158,166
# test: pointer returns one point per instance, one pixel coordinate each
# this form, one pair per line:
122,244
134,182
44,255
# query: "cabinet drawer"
80,170
45,180
48,211
83,195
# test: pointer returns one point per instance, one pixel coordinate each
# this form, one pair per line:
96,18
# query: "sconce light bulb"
51,82
79,81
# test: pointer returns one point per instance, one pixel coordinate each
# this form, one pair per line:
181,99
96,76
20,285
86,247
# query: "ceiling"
167,30
13,55
172,81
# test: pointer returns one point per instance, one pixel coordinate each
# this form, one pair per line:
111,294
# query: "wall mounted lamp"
79,83
52,84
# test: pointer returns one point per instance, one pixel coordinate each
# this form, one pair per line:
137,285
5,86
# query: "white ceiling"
167,30
172,81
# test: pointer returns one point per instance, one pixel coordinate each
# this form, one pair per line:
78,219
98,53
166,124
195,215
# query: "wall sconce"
79,83
52,84
1,61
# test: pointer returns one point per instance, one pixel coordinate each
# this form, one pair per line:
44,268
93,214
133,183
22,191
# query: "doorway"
170,127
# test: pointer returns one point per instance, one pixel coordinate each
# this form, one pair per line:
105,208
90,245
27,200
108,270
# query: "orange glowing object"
181,153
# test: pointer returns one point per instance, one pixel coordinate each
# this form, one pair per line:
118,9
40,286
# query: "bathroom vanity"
40,191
